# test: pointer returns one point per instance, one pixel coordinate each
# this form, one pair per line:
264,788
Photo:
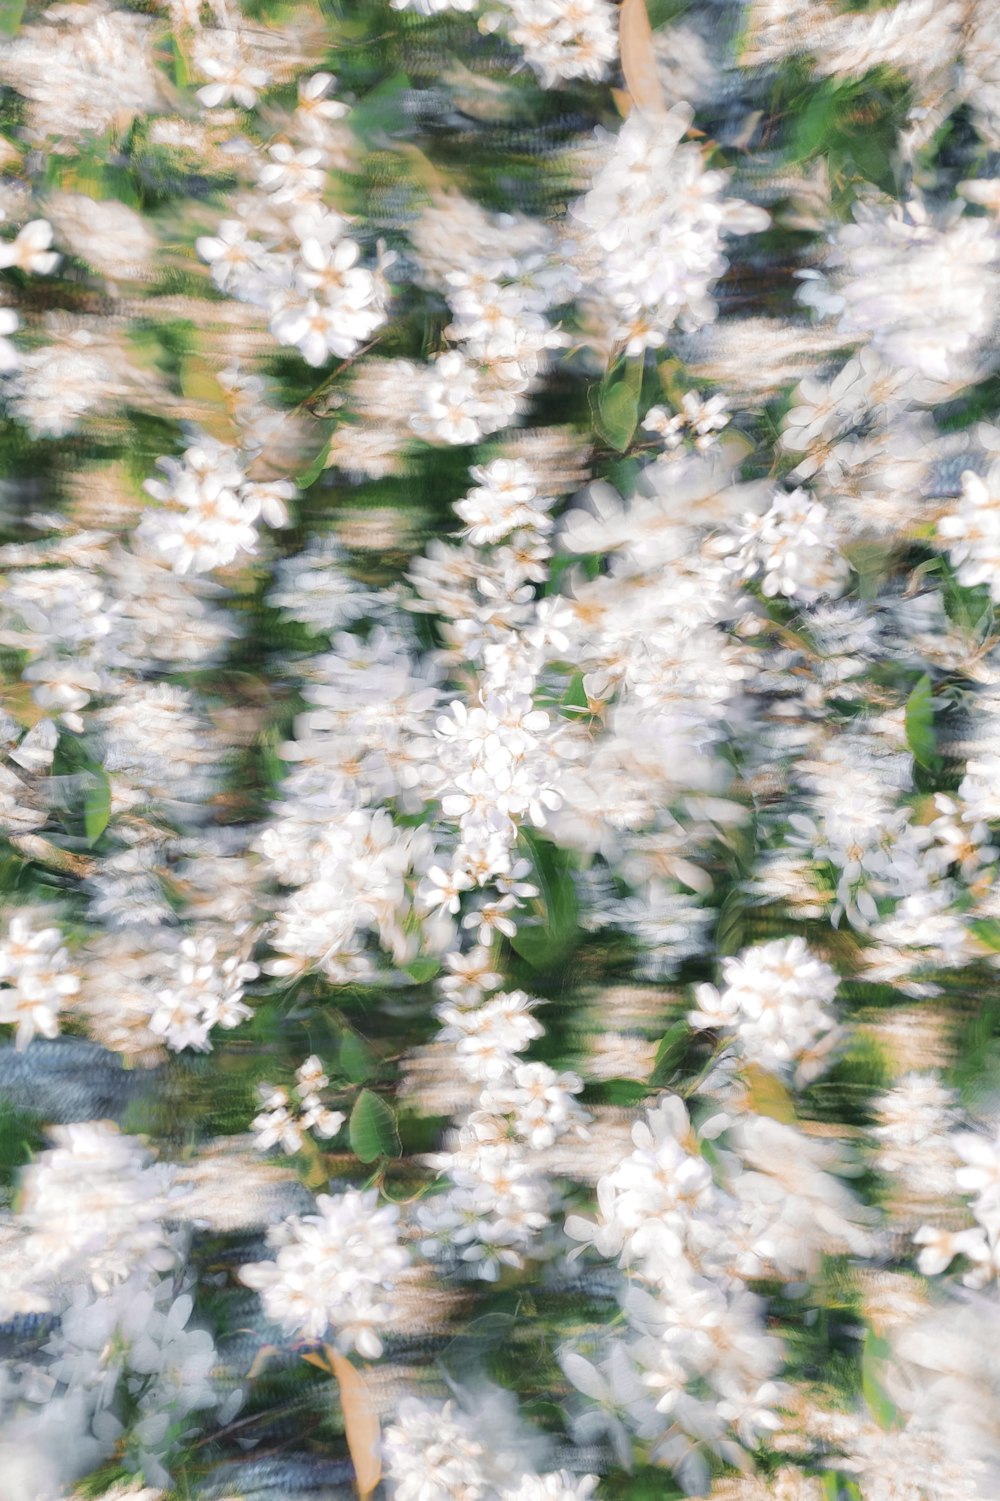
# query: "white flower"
652,227
489,1036
10,357
35,979
334,1270
540,1101
94,1205
231,253
942,1246
972,532
281,1122
777,1004
559,1485
923,292
292,176
234,79
506,498
30,250
794,546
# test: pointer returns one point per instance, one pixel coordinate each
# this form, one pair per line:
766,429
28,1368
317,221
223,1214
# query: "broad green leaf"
768,1096
372,1128
310,475
814,123
355,1058
97,808
422,970
874,1358
920,735
987,930
970,609
533,943
673,1046
730,930
381,111
545,945
575,697
11,15
618,410
464,1356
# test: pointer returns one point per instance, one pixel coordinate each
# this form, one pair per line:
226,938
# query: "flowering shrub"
500,750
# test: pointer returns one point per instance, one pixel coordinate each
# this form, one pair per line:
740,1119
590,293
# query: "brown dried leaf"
635,41
34,847
768,1096
361,1425
261,1359
623,101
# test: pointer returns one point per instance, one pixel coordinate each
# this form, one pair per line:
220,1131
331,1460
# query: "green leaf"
11,14
182,66
310,475
381,111
970,609
622,1092
920,735
673,1046
464,1357
871,559
730,929
575,697
987,930
372,1128
814,124
874,1358
618,405
531,941
422,970
97,807
355,1058
546,945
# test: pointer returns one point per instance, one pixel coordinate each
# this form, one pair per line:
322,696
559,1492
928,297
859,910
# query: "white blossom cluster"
561,39
500,557
124,1368
334,1269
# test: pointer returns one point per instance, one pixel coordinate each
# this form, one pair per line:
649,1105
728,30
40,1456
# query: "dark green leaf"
920,735
575,696
618,403
422,970
546,945
533,944
464,1356
874,1358
310,475
11,13
355,1058
372,1128
97,808
987,930
673,1046
381,111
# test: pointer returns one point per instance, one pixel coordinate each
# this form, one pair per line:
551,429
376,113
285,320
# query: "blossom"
36,979
30,250
776,1002
334,1270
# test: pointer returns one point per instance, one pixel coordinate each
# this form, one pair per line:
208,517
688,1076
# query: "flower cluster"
500,570
334,1271
284,1120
